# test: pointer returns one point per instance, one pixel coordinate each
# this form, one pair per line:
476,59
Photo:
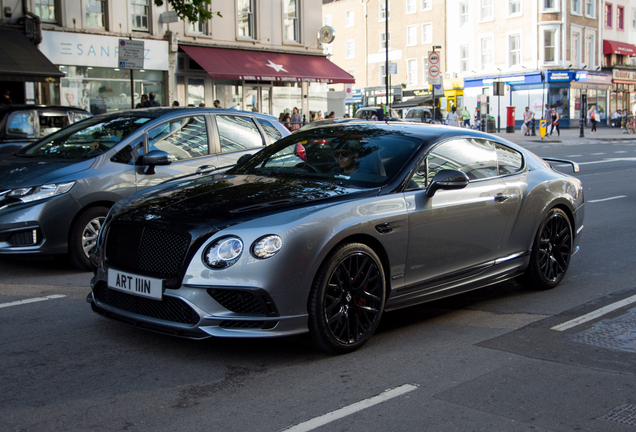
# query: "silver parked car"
56,192
324,230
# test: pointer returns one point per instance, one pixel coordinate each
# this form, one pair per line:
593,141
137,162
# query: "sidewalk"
570,135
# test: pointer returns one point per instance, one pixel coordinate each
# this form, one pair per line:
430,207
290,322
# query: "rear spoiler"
575,166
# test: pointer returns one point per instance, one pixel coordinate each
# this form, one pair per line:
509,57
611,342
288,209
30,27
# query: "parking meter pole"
132,86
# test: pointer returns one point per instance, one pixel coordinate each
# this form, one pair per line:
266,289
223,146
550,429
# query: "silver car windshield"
358,156
89,138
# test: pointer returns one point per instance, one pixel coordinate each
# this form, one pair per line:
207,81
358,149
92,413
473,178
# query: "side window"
52,122
77,116
21,123
476,158
510,161
273,133
237,133
183,138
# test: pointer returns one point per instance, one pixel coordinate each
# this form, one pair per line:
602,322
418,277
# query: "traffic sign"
433,58
392,68
434,76
131,54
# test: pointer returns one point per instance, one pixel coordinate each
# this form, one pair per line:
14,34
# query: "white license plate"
135,284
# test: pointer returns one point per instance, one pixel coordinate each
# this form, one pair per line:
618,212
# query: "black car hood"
23,171
225,200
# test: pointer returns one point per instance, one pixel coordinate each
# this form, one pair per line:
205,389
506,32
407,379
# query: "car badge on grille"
152,216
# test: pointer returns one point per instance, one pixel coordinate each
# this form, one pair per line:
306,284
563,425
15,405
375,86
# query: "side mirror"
243,159
447,179
154,158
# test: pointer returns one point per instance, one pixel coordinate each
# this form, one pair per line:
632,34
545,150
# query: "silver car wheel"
90,233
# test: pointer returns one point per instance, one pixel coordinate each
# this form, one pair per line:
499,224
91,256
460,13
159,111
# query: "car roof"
20,107
157,112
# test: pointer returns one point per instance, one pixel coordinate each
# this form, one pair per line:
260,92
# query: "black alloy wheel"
347,299
551,251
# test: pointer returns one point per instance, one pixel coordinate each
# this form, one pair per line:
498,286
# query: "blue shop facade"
559,88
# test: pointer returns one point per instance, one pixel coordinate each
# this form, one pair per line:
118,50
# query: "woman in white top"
452,118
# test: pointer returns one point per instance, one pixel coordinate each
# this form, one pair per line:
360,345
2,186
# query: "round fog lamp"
267,246
223,252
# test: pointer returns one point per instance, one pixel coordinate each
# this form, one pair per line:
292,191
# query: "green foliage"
192,10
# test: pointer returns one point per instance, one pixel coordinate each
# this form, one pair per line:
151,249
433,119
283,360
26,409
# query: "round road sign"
433,58
433,71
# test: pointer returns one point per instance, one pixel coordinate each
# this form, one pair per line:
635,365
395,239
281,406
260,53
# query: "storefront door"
257,99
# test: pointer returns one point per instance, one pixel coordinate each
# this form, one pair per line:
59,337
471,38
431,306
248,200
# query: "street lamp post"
435,109
386,46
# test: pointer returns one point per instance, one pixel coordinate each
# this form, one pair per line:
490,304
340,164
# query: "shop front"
262,81
92,79
623,94
454,93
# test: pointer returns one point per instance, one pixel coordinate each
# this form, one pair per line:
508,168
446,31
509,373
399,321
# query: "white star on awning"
276,67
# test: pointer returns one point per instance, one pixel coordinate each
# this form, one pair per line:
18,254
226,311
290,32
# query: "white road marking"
621,151
31,300
627,159
570,156
594,314
607,199
596,154
348,410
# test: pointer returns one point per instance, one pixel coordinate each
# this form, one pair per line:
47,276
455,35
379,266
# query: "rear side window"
510,161
183,138
476,158
272,133
21,123
237,133
52,122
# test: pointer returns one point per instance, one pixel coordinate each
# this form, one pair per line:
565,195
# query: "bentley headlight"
40,192
223,252
267,246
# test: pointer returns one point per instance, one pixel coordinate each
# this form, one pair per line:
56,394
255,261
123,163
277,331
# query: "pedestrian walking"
453,118
151,102
528,116
594,117
296,120
286,120
547,114
466,117
555,122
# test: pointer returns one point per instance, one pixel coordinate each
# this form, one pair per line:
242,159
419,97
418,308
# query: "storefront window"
196,91
558,97
229,95
575,103
284,99
601,103
318,99
101,90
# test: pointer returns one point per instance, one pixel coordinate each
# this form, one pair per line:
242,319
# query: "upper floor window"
411,6
427,5
411,35
350,49
577,7
384,14
463,58
427,33
411,72
349,18
514,7
139,14
486,52
246,19
486,10
326,20
633,19
620,17
590,10
382,74
385,43
45,9
514,48
292,21
549,46
95,13
549,5
608,15
463,13
589,51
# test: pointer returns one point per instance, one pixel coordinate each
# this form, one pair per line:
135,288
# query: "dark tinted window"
510,160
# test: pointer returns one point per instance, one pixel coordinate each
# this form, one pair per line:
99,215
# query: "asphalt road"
487,360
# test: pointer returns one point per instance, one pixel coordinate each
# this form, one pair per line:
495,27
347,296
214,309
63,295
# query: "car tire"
83,236
347,299
551,252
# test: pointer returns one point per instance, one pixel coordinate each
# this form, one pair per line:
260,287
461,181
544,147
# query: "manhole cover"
617,333
625,414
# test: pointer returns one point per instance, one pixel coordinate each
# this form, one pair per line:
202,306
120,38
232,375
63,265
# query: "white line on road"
570,156
596,154
594,314
348,410
32,300
622,151
607,199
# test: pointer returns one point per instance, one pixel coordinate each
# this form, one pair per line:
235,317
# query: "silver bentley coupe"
324,230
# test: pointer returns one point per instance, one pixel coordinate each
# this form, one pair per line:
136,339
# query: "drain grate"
625,414
617,333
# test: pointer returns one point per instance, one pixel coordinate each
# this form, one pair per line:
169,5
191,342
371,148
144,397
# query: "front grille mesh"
136,247
243,302
242,324
24,238
168,309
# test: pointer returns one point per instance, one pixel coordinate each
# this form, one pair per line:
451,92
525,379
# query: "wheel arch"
102,203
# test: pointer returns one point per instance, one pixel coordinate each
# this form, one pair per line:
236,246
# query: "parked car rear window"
273,133
21,123
237,133
86,139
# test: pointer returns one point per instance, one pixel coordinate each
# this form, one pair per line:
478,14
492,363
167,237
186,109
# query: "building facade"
261,55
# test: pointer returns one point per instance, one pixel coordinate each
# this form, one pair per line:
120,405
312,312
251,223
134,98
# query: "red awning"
234,64
613,47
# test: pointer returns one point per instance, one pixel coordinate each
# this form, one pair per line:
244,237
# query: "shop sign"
75,49
583,76
623,75
560,76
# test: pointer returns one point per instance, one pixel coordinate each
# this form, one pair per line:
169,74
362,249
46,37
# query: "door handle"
384,228
501,197
205,168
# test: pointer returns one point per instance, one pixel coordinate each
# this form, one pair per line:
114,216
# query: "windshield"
358,155
367,113
88,138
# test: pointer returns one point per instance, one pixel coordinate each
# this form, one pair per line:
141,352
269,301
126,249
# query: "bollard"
581,128
533,130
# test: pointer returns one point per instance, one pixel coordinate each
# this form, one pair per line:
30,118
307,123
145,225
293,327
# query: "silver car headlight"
40,192
267,246
223,252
